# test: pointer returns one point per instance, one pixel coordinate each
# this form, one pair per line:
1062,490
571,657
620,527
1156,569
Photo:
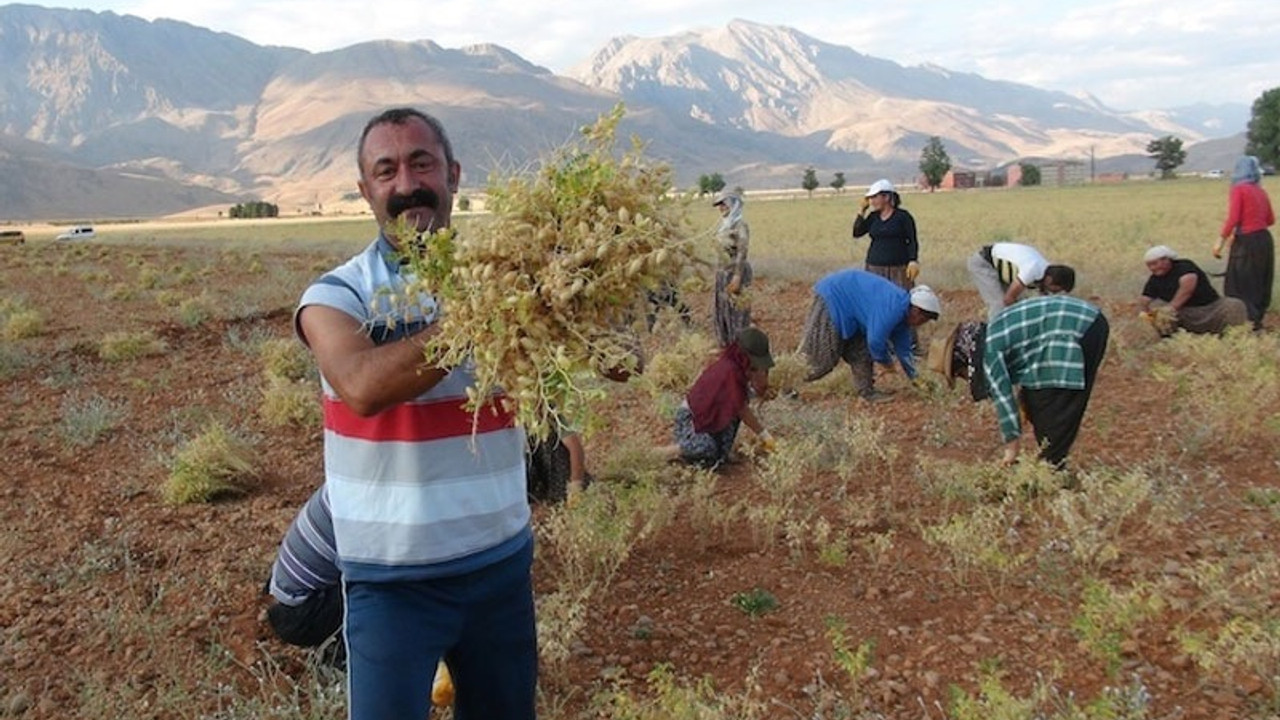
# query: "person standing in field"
431,525
894,250
1003,271
731,312
859,317
1245,237
1184,289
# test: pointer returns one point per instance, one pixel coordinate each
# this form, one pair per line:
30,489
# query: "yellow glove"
913,271
866,203
767,442
442,687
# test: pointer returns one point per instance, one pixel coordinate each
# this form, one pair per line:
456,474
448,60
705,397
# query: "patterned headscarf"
1248,169
734,216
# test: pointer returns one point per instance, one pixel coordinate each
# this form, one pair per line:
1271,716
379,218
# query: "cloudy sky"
1131,54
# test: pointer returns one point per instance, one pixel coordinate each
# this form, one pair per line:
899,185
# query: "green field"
1101,230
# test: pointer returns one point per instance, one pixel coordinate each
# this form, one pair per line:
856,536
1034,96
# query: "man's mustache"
422,197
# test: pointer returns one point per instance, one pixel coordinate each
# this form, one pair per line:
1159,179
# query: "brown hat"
942,355
755,344
959,354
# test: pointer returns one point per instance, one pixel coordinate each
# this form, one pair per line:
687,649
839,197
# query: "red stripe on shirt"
415,422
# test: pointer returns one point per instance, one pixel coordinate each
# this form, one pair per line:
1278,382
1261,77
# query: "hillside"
122,99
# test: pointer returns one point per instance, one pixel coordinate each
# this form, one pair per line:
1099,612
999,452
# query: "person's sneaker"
874,396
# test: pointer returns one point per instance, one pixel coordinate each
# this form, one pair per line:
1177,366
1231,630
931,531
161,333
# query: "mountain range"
104,115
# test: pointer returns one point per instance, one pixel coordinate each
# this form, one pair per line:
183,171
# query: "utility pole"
1091,166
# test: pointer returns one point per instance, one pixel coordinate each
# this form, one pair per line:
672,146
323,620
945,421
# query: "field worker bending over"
430,519
707,422
1049,348
1003,271
1180,289
859,317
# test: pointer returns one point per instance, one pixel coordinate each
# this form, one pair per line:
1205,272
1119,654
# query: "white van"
79,232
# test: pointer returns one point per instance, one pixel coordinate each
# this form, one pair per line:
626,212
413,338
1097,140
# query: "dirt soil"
108,591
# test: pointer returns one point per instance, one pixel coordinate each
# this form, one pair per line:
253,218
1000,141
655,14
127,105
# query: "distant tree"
837,182
934,162
1264,128
254,209
1168,154
710,184
1030,175
810,181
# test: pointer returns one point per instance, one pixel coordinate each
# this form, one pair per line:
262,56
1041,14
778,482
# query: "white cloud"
1128,53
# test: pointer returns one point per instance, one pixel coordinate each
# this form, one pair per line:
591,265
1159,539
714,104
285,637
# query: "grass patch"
287,359
85,421
21,324
289,402
123,346
755,602
212,465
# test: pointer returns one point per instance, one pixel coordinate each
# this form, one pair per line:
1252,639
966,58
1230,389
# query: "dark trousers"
1055,413
1251,271
481,623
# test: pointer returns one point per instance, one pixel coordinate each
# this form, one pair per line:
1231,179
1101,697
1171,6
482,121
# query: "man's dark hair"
1063,276
400,116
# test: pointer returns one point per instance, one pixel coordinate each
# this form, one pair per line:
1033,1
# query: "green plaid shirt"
1035,344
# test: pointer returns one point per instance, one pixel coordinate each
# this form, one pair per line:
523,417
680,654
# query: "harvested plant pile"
542,296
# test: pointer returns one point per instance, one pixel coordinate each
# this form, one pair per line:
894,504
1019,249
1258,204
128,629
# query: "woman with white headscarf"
731,313
1251,254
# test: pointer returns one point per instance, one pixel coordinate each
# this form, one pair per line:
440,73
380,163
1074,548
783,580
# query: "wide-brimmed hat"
940,359
959,354
755,344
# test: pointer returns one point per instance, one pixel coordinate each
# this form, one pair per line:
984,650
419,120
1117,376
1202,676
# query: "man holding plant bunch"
430,521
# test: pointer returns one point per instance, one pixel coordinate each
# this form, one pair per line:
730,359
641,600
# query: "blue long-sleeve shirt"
862,303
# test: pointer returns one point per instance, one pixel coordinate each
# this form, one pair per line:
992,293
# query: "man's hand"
1010,455
913,271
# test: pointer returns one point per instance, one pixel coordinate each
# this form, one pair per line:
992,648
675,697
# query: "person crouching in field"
1178,295
707,422
857,317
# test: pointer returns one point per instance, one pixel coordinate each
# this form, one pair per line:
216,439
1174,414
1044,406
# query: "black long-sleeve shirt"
893,241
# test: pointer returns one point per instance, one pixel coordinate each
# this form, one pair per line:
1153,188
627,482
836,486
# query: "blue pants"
481,623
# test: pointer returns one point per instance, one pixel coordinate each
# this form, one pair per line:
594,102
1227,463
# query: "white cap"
923,297
1160,251
879,186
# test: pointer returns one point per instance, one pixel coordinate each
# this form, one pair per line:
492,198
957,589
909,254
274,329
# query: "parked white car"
79,232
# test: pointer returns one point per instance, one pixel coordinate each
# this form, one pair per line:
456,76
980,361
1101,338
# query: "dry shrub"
789,371
675,368
1228,386
290,402
23,324
287,359
124,345
542,293
214,464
